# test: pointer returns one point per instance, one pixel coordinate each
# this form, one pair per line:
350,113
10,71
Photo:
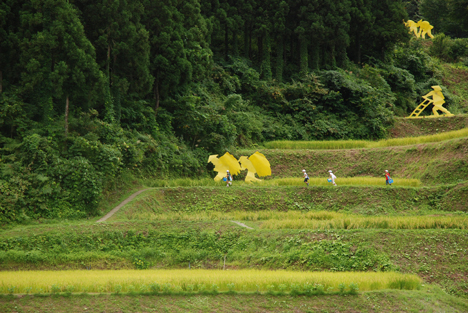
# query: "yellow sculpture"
424,28
437,100
224,163
246,164
261,164
257,163
413,27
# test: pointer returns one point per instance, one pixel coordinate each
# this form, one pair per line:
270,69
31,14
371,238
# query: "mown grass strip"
315,220
297,181
379,222
343,181
198,280
355,144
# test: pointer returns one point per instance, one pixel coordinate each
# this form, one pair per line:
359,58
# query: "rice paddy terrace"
359,247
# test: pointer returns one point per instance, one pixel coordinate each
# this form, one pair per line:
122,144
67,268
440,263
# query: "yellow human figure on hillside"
424,28
413,27
223,164
246,164
437,100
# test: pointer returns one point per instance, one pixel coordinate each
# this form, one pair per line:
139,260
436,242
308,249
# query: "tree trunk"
333,56
66,116
279,59
315,57
235,43
246,40
358,48
260,50
266,63
250,42
156,95
304,56
226,41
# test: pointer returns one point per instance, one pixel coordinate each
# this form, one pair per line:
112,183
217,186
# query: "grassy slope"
439,256
434,163
420,127
427,300
456,80
360,200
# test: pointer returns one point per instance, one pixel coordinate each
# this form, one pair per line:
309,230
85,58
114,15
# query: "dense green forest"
92,89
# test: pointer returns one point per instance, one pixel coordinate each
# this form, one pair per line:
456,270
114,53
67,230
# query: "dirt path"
242,224
103,219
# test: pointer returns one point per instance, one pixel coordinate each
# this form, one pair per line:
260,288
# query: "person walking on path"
228,179
306,177
333,177
387,178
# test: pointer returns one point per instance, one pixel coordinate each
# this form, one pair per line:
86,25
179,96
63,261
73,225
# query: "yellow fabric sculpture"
256,163
261,164
424,28
413,27
437,100
224,163
246,164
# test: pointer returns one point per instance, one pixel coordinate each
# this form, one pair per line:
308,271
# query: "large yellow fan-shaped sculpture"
224,163
261,164
246,164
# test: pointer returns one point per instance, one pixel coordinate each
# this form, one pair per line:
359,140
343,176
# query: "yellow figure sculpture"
224,163
261,164
246,164
424,28
413,27
437,100
255,164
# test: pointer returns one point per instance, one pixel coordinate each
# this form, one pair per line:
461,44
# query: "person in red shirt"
387,177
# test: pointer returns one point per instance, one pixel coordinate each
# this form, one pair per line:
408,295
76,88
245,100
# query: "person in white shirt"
228,179
332,176
306,177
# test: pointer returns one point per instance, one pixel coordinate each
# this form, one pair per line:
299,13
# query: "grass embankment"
438,255
317,220
201,280
456,79
344,181
435,163
404,127
356,144
314,181
252,200
386,301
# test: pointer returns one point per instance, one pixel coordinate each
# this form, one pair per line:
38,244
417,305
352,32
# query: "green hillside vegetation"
100,100
433,164
83,104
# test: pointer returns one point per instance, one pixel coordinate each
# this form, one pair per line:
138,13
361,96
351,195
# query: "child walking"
306,177
228,179
387,178
333,177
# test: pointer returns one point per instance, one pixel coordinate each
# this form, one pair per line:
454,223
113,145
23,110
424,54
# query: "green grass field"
357,144
400,248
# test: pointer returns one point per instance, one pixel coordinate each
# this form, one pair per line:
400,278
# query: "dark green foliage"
89,89
448,17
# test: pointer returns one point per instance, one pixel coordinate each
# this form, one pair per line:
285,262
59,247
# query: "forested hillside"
93,89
